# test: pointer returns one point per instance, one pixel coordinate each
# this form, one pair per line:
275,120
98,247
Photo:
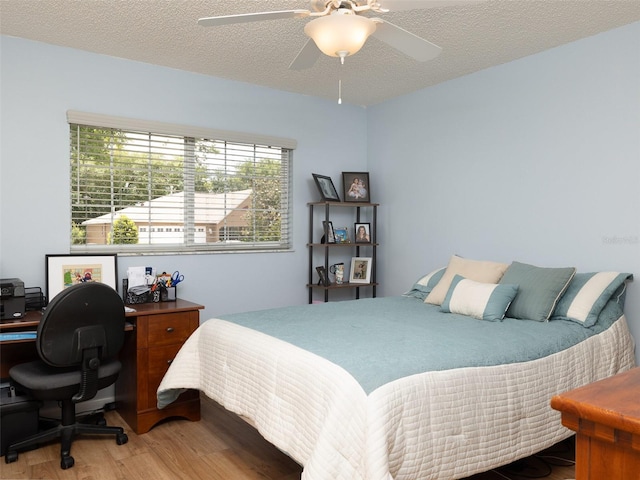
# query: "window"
152,187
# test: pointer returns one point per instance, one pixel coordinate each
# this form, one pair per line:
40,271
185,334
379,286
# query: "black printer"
12,300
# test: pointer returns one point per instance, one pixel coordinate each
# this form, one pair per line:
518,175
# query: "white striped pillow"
484,301
425,284
430,280
586,296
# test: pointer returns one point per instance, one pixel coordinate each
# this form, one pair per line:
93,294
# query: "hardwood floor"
219,447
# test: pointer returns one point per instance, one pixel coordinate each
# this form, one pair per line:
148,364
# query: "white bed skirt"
436,425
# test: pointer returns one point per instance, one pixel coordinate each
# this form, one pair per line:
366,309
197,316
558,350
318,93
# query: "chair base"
66,432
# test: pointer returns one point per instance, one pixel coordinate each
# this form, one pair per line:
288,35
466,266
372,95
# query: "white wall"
537,160
40,82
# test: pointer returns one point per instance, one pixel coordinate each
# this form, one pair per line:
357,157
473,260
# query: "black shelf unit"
327,248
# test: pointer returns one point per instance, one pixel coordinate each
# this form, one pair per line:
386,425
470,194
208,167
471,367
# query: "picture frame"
356,187
360,270
341,234
64,270
323,277
326,188
362,233
329,234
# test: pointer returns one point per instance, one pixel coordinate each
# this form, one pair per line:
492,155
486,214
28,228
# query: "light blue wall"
40,82
537,160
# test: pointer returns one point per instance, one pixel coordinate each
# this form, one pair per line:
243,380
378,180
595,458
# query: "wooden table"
606,417
154,333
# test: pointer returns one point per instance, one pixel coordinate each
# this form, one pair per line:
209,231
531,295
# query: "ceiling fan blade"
400,5
405,42
306,57
251,17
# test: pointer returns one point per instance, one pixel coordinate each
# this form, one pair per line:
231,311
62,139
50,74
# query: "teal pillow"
539,289
425,284
484,301
587,294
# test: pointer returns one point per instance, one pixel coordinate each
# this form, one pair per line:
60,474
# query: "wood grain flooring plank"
221,446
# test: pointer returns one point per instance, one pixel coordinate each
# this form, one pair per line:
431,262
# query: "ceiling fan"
341,27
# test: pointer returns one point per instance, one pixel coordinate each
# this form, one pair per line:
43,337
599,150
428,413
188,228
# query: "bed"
406,388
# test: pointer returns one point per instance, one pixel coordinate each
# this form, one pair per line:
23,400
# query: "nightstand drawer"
159,360
159,331
169,329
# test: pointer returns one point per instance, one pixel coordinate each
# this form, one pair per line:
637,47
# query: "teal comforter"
379,340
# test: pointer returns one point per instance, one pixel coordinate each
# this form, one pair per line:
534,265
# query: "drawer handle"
169,329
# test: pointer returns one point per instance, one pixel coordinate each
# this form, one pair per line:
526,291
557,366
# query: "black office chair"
78,340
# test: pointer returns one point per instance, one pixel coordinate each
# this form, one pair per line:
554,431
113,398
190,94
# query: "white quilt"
436,425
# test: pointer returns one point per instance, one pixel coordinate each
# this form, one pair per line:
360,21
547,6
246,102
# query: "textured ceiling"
473,36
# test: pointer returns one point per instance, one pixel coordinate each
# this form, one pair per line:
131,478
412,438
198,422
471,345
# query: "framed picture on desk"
63,271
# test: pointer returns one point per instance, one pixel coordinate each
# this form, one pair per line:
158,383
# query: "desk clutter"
16,299
143,285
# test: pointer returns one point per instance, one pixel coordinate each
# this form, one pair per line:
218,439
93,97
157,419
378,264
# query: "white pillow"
478,270
484,301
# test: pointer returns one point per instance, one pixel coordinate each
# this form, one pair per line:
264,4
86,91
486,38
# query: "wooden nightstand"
606,417
159,330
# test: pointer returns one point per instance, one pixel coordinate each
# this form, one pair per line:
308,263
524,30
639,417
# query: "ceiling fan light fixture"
340,34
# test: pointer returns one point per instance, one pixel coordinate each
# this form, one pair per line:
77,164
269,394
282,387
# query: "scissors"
176,278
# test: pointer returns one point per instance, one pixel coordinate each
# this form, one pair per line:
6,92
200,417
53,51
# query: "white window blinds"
141,186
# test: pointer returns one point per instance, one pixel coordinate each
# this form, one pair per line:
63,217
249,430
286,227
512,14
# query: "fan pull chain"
340,79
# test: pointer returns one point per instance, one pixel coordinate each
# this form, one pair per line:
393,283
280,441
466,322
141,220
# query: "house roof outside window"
209,208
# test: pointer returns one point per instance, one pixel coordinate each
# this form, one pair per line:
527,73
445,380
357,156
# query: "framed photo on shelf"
329,234
360,270
326,188
323,277
355,186
362,233
342,234
63,271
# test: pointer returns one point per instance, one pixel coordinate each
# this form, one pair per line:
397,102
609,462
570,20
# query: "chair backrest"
84,316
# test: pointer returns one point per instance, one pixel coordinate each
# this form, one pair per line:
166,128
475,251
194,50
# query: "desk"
13,352
159,330
155,333
606,417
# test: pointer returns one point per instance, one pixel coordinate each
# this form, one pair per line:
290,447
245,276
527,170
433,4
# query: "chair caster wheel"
11,456
101,422
122,438
66,462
